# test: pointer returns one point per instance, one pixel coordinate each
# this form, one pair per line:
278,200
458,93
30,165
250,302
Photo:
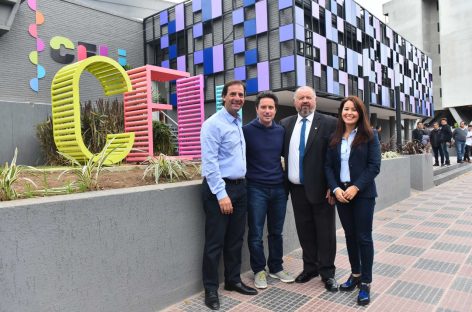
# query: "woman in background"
352,162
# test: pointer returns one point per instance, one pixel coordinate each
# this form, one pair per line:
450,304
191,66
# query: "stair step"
440,170
451,174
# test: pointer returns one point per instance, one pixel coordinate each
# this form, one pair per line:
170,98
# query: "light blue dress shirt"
223,151
345,175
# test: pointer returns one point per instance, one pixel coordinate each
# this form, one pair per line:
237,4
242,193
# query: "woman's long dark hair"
364,131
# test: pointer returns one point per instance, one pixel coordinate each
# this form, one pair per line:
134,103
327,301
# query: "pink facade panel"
190,114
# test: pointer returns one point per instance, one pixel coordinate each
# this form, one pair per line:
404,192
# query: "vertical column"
391,123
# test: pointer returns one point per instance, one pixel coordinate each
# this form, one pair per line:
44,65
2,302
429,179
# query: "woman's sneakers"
364,294
351,283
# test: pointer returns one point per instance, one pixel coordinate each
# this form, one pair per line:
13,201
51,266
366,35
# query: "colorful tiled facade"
335,46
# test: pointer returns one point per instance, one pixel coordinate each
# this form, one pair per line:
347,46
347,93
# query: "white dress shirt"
293,154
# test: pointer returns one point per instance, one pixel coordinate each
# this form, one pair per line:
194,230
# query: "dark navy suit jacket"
364,165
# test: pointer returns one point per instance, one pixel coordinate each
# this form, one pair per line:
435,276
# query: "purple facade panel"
196,5
343,80
218,59
340,24
163,17
261,16
238,16
216,8
286,32
320,43
263,77
329,76
283,4
240,73
301,72
198,57
299,16
164,41
360,83
315,10
322,3
239,45
182,63
165,64
287,63
317,69
179,17
197,30
385,97
300,32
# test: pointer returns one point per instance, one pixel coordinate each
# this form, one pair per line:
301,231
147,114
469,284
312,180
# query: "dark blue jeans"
445,151
356,218
270,201
460,149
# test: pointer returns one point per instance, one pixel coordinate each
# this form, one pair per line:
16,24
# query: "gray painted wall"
18,129
134,250
76,22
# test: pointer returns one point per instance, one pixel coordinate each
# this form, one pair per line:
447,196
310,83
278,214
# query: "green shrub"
162,137
98,120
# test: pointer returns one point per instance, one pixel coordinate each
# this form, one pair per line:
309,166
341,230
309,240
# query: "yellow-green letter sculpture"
66,107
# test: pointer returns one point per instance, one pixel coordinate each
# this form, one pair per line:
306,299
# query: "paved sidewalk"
423,262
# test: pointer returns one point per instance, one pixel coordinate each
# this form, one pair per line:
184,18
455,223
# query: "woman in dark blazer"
352,163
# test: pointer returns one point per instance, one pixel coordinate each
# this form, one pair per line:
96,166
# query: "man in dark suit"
306,139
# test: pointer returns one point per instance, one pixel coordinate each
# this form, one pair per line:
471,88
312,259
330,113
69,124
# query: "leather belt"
234,181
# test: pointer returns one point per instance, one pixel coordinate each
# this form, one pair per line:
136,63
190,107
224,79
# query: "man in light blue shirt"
224,194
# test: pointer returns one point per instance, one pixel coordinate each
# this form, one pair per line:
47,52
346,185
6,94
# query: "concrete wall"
456,51
393,181
18,129
421,171
136,250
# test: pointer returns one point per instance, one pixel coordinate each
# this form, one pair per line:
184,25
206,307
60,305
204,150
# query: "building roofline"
98,8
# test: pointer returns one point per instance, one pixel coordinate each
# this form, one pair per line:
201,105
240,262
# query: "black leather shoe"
351,283
211,299
241,288
331,285
364,295
305,276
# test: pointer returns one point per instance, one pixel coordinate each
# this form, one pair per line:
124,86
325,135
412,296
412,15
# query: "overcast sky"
373,6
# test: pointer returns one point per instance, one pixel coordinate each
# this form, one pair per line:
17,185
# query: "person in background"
352,163
468,144
306,140
446,136
379,132
224,194
435,140
459,135
266,192
417,134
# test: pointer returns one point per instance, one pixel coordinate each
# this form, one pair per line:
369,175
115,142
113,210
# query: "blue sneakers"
351,283
364,294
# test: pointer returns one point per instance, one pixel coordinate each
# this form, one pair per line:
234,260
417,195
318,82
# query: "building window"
342,64
316,54
440,92
300,47
439,70
439,49
438,26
